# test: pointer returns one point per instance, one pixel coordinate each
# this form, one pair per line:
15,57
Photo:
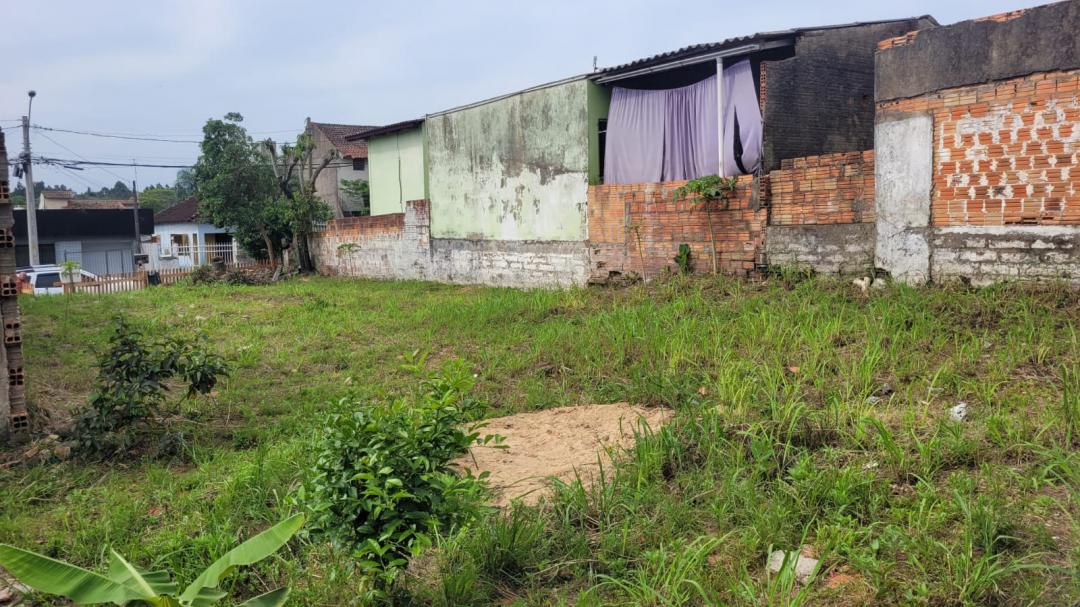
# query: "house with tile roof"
351,162
184,239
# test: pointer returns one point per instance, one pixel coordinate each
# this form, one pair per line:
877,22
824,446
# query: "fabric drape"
742,120
634,152
691,144
672,134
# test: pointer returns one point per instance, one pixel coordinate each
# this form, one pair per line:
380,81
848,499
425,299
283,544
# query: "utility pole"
31,198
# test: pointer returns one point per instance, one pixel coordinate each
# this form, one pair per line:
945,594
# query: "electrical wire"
80,155
145,137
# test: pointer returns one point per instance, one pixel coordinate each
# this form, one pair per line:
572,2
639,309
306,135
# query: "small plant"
708,189
202,275
683,259
126,584
382,483
131,385
70,270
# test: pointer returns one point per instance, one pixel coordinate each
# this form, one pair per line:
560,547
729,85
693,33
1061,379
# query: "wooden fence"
133,281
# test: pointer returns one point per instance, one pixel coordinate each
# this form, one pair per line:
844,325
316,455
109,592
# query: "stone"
959,412
804,566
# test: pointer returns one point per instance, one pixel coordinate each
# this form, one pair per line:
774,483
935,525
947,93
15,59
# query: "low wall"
985,255
821,214
399,247
637,228
14,416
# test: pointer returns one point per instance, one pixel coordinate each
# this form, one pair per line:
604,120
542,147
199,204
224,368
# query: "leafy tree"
157,198
237,188
185,184
358,190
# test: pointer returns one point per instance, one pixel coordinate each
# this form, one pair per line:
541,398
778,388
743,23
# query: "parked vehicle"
45,280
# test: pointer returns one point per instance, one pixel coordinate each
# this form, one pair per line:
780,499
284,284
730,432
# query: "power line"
114,136
79,155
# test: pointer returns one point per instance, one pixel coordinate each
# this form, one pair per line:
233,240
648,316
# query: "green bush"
131,386
382,484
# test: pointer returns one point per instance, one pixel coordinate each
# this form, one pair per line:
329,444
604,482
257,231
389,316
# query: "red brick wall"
830,189
638,228
1005,153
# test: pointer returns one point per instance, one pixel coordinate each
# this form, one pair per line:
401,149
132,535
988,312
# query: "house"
185,240
396,165
65,199
578,180
351,164
102,241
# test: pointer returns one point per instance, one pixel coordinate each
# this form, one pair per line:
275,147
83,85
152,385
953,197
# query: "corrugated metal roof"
710,47
383,130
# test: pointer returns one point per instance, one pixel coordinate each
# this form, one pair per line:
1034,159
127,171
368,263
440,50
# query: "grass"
806,414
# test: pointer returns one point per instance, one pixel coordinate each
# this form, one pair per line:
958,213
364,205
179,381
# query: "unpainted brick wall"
395,246
14,416
399,247
822,213
1005,201
829,189
637,228
1005,153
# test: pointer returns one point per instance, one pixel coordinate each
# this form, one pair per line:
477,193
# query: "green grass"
782,437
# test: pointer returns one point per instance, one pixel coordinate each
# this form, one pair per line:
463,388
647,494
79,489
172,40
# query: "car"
45,280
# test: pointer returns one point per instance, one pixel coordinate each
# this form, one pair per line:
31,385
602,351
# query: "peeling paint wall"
515,168
396,169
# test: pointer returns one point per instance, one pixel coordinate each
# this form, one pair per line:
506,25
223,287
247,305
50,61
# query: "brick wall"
1005,192
829,189
395,246
1005,153
822,213
637,228
13,412
399,247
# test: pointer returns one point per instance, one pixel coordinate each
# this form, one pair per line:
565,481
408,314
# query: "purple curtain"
691,144
634,152
742,120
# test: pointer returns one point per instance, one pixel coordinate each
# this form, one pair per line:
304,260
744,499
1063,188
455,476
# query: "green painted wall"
396,170
512,169
599,104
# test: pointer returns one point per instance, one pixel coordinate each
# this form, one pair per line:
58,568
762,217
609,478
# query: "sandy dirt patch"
554,443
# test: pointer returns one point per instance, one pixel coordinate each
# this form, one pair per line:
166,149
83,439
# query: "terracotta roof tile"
338,134
185,211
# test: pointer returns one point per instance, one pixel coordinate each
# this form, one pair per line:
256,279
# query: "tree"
185,184
358,190
295,170
237,188
157,198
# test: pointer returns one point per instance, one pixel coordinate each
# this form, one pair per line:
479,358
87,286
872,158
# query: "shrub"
130,387
382,484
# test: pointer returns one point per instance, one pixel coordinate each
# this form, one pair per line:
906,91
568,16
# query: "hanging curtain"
742,120
691,144
634,152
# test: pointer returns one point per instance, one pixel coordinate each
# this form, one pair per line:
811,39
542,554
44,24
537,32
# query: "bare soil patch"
557,443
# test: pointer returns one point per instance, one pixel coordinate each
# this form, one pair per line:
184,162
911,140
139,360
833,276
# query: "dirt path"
555,443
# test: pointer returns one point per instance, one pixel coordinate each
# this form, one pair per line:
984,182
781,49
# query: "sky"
162,68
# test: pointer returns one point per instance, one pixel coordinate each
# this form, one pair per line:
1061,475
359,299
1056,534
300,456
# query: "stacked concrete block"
13,413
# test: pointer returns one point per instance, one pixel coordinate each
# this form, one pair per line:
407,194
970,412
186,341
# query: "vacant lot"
806,414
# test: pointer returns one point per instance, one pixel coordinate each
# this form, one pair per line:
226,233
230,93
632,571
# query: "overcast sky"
162,68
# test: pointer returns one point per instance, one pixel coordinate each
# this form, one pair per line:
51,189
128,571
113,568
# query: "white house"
183,240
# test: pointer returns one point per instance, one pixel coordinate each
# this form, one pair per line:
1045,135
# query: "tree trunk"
303,254
712,234
274,263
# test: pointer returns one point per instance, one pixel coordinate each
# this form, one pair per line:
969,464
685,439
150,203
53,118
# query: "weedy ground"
807,414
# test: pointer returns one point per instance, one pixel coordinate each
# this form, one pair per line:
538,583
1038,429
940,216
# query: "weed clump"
130,389
382,484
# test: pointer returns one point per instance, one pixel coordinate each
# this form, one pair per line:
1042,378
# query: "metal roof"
383,130
711,47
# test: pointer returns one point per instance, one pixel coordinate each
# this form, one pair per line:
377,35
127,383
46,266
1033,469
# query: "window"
46,281
359,164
